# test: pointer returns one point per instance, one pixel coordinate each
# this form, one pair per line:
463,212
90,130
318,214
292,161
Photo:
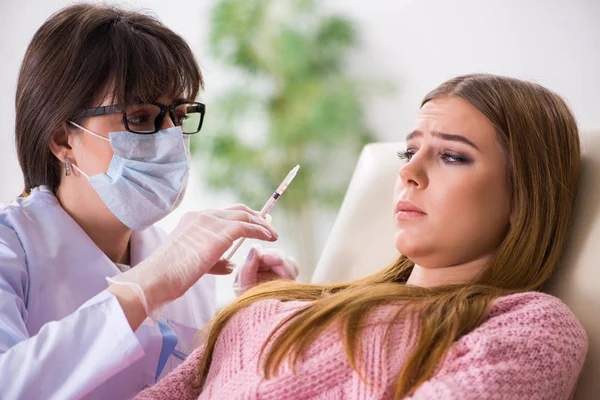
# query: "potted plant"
291,101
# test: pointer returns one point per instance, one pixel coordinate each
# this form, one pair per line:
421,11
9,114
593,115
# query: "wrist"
130,303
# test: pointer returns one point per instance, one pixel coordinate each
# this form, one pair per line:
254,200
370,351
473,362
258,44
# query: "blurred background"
310,82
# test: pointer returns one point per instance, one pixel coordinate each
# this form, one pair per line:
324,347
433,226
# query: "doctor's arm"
193,249
70,357
66,358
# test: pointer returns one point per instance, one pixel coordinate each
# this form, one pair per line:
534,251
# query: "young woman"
482,207
106,103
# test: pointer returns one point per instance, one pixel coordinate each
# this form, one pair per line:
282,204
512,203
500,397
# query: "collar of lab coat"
142,243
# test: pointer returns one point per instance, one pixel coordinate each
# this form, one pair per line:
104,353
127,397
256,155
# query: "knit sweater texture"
529,347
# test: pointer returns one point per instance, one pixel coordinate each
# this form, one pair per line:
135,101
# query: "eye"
451,158
180,119
138,119
406,154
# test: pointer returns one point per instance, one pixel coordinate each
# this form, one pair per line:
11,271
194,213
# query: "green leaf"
296,103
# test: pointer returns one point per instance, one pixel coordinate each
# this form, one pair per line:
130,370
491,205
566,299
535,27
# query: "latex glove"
193,249
264,265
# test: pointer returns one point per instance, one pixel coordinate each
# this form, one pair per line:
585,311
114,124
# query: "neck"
451,275
104,229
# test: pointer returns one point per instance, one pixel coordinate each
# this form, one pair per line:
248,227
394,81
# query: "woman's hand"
264,265
193,249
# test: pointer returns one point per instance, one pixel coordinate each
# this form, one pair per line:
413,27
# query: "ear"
511,217
60,143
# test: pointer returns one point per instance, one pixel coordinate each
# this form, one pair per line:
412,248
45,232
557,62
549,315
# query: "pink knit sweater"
530,347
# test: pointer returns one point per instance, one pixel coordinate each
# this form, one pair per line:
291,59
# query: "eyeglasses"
146,118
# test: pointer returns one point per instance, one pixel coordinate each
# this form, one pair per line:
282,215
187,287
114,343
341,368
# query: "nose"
167,121
414,173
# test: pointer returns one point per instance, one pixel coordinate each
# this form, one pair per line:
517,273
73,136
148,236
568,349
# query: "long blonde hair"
540,138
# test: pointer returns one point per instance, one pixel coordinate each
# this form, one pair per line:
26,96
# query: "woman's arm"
534,353
181,384
66,358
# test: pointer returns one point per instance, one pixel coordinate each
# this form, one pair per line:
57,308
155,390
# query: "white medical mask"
147,176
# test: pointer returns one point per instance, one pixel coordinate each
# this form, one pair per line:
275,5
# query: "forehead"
454,115
109,97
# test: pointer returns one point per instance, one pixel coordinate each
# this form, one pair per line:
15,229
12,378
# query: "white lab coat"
62,335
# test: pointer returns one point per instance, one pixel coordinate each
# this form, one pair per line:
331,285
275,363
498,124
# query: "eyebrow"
444,136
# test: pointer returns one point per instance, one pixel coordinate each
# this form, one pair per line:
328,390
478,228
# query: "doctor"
104,109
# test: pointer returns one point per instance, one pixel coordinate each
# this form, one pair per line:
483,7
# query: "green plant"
290,102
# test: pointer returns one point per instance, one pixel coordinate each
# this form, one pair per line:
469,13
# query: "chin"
409,247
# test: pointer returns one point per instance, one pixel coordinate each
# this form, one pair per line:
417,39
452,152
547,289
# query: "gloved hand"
192,250
264,265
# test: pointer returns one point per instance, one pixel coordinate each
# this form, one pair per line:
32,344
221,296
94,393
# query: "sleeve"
179,384
92,344
533,356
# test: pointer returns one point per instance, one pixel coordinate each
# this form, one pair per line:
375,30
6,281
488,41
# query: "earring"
67,166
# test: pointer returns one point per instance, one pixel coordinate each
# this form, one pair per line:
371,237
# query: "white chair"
362,241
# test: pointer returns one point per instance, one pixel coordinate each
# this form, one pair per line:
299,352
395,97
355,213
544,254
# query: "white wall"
414,44
419,43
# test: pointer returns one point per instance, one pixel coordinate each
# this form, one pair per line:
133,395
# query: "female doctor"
104,110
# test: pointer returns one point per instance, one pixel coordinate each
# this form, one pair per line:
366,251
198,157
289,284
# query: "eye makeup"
449,157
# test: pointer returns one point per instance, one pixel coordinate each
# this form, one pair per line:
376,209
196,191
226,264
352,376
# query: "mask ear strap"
80,171
88,131
68,162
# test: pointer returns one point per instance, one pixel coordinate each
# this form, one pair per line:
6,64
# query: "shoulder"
532,322
29,217
18,220
27,209
530,345
12,217
534,310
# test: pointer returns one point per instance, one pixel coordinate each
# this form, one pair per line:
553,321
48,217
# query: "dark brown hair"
77,57
541,140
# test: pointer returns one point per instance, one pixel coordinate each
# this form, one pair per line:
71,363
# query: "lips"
407,206
407,211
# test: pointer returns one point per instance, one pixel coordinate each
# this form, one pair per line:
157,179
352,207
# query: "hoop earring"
67,167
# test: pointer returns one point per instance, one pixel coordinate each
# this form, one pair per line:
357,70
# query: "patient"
482,207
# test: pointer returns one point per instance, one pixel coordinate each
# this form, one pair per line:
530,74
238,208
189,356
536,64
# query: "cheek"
92,155
475,212
467,219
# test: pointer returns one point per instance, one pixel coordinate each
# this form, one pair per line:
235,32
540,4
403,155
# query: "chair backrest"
362,241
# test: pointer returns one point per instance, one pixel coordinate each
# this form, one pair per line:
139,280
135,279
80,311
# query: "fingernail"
230,266
267,232
251,254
